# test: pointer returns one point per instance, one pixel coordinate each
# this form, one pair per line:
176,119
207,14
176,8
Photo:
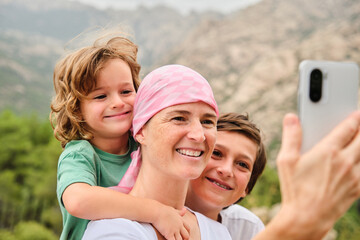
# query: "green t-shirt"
82,162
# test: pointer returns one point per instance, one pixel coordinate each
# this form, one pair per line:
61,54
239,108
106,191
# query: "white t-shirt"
120,228
241,223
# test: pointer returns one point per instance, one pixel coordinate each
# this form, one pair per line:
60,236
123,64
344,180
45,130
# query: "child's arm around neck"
93,202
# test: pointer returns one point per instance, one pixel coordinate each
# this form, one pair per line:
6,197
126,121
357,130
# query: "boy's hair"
240,123
75,77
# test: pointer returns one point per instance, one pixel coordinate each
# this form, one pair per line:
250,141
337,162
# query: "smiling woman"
174,122
192,128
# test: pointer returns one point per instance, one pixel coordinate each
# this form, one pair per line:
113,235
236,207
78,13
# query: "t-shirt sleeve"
75,167
259,227
241,223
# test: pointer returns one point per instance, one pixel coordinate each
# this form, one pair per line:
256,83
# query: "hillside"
33,35
251,58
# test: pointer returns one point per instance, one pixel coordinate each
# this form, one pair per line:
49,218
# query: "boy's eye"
102,96
216,154
243,165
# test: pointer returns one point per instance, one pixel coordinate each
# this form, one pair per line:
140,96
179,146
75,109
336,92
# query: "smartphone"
327,94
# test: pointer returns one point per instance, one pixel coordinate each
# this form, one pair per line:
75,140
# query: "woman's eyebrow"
183,112
210,115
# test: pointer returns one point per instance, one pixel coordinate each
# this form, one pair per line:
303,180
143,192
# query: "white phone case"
339,98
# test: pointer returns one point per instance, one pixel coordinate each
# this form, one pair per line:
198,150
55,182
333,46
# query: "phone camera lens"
316,78
316,74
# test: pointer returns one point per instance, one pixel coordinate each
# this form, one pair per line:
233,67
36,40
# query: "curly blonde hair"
75,77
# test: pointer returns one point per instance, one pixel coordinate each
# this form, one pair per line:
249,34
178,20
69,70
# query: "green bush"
33,231
348,227
7,235
266,191
28,163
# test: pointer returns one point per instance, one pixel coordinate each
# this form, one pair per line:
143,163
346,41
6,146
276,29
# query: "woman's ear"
139,137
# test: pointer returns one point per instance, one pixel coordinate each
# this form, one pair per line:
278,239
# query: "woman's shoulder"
211,229
119,228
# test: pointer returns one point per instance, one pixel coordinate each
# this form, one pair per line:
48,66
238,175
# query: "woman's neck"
162,187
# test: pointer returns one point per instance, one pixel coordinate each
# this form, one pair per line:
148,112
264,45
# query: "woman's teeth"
189,152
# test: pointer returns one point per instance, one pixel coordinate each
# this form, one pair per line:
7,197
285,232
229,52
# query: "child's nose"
225,169
117,102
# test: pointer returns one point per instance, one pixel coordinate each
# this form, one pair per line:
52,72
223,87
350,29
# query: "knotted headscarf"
164,87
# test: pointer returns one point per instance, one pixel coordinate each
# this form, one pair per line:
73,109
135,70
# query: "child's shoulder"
77,147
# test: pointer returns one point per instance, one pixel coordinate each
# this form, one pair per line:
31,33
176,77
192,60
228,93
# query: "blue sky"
183,6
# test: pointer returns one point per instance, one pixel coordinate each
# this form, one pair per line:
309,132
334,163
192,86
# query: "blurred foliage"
33,231
28,231
348,227
28,162
266,191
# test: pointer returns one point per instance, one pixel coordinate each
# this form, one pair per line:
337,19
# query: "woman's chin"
192,173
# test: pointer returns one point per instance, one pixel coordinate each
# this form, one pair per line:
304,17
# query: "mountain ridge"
252,61
250,56
33,36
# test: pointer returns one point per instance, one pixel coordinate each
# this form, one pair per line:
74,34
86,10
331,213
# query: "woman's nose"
196,132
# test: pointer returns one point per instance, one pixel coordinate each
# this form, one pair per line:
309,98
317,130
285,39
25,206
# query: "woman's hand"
319,186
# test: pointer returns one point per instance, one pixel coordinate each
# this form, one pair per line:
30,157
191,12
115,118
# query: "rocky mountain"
33,35
251,58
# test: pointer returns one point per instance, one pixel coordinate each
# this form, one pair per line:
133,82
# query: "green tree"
28,163
33,231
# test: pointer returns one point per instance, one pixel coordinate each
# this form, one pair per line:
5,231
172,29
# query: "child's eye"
243,165
216,154
126,92
102,96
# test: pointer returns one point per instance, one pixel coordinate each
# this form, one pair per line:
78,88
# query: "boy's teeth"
220,185
189,152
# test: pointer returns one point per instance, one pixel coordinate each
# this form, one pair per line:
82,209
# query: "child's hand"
170,223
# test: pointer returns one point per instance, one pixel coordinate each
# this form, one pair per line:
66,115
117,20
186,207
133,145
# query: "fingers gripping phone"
327,94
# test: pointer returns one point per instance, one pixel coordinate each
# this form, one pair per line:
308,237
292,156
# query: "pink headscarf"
164,87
